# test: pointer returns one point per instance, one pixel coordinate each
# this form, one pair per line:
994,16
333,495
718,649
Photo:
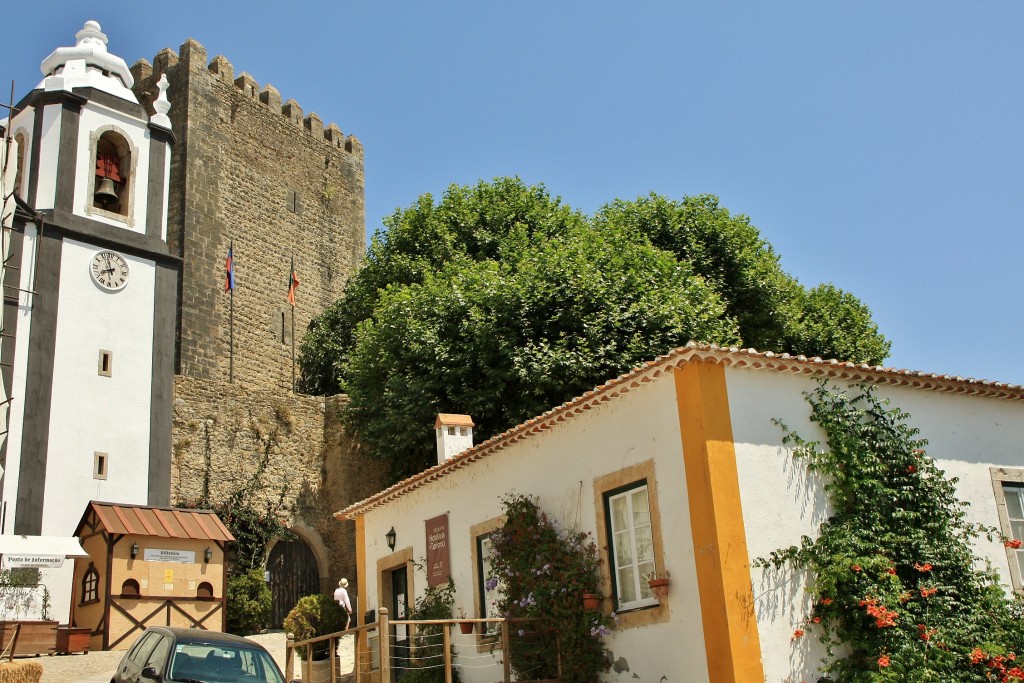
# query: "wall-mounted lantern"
390,537
135,550
207,555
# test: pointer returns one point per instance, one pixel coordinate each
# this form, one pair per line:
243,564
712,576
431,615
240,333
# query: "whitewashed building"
691,437
89,299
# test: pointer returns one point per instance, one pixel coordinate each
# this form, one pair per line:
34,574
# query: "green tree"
505,340
500,301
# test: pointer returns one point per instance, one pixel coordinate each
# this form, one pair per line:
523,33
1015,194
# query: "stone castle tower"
277,186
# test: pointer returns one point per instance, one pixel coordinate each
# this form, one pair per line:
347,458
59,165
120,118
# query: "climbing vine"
898,593
542,571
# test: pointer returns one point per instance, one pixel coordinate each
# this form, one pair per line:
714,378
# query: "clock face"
109,270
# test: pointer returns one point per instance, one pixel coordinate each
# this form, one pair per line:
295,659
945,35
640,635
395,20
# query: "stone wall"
276,182
222,431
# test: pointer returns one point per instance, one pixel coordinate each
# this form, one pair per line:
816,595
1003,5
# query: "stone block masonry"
221,432
247,167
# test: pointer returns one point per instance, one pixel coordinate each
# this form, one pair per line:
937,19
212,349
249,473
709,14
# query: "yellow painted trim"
716,518
362,645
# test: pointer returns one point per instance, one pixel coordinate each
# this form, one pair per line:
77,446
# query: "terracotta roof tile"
646,372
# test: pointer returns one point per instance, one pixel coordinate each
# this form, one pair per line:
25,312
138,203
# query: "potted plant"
659,584
591,601
465,626
312,617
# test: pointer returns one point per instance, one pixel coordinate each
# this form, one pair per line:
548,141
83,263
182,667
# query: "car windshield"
222,664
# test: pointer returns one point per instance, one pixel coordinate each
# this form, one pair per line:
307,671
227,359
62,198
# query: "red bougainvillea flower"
1012,543
883,661
799,633
855,567
816,620
911,469
891,570
826,601
926,567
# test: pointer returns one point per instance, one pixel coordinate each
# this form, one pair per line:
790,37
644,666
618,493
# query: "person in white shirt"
341,597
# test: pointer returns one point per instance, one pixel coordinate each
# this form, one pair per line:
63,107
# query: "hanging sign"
437,551
157,555
18,561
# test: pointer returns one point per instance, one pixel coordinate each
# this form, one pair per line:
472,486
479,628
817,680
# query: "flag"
229,267
293,284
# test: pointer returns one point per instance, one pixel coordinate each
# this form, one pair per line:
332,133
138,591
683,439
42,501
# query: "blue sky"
876,145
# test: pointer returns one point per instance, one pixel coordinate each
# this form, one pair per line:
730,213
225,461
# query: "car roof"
199,635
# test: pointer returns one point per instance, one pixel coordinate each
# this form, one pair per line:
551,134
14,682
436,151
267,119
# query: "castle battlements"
193,55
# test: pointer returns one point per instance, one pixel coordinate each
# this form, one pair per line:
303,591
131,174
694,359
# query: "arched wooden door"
293,574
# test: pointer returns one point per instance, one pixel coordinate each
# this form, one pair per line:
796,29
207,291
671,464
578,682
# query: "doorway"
293,574
399,609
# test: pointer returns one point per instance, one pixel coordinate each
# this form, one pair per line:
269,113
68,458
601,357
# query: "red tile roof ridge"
733,356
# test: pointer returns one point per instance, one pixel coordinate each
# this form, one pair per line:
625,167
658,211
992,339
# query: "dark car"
193,655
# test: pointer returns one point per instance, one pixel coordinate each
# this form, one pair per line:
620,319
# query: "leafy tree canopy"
500,301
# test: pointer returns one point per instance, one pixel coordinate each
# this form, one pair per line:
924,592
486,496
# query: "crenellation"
222,68
193,54
352,144
165,60
248,85
141,70
293,111
333,134
271,97
314,125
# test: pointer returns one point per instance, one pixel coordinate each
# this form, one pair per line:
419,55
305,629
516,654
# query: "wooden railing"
365,673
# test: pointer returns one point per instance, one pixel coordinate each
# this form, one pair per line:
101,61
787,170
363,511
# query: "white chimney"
454,435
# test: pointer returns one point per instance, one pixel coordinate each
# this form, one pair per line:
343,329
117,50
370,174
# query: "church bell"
106,193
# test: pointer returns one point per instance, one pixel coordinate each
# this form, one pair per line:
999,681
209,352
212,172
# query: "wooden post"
447,654
333,649
504,648
384,643
289,658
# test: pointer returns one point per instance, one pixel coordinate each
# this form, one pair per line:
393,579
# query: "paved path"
98,667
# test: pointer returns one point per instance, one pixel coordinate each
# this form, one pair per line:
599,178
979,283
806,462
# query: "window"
112,166
632,545
130,589
105,362
629,529
90,585
1008,486
205,590
99,465
485,593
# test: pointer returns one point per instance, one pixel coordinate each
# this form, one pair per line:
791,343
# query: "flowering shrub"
894,576
542,571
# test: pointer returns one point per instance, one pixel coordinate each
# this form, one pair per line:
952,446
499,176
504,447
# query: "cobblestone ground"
98,667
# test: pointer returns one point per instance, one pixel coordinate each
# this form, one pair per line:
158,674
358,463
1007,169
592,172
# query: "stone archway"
296,568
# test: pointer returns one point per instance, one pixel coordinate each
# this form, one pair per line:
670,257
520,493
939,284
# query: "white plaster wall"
93,117
781,502
90,412
49,148
559,466
8,509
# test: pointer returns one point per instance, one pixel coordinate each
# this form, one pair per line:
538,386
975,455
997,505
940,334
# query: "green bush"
248,602
435,603
314,616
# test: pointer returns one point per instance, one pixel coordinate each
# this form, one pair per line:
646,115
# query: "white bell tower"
90,287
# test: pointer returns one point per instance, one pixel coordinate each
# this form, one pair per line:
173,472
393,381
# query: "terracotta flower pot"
466,627
659,587
591,601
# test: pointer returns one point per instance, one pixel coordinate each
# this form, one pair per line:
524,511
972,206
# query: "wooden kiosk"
148,566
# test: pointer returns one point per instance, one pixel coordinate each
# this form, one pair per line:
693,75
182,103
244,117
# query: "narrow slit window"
106,362
100,462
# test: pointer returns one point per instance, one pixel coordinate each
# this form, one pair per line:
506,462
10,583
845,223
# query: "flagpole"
231,338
